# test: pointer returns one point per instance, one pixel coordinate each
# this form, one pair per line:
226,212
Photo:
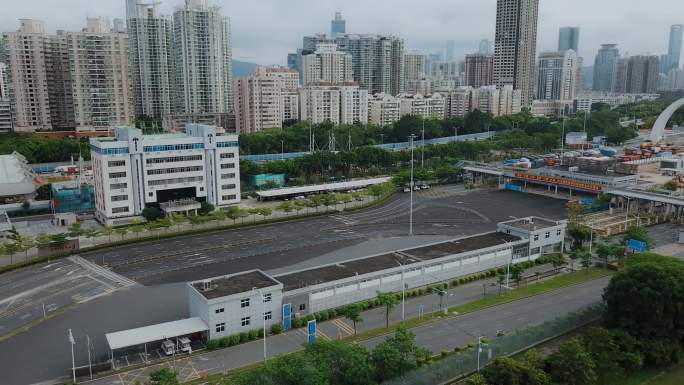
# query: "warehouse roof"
531,224
348,269
146,334
339,186
15,177
233,284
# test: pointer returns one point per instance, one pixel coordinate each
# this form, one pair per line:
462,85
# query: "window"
174,170
228,197
558,232
172,159
226,144
228,186
229,155
227,165
118,186
114,175
245,321
547,235
244,303
219,310
163,182
221,327
267,297
535,251
227,176
268,316
536,237
119,198
116,163
119,210
302,306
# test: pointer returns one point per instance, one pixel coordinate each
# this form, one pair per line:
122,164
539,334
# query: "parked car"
406,189
168,348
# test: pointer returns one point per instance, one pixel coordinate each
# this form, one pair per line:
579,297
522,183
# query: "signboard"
560,181
287,316
637,246
311,331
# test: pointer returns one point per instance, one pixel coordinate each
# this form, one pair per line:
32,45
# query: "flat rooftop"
348,269
531,224
348,185
612,174
234,284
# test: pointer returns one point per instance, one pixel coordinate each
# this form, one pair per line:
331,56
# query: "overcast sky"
264,31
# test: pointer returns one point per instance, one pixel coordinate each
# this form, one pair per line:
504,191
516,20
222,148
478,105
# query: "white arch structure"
658,131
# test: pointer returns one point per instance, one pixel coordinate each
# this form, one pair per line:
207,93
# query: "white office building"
174,172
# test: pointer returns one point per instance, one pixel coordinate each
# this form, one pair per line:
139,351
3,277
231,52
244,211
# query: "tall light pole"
72,342
563,140
422,147
411,137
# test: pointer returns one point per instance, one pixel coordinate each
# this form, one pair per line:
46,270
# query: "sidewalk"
194,367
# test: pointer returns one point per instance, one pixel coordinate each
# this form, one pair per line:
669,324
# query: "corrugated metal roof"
146,334
15,177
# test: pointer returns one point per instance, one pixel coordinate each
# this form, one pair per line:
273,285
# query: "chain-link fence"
463,363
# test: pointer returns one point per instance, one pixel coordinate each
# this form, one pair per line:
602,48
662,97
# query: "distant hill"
242,69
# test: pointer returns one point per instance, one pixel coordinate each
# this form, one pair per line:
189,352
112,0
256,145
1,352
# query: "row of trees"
643,326
43,150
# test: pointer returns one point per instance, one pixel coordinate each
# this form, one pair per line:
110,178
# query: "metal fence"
460,364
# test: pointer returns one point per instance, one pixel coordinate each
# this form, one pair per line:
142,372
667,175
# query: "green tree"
507,371
571,364
638,233
164,376
671,185
396,355
286,207
24,244
43,241
613,352
75,230
353,313
121,231
92,232
107,231
389,301
206,208
10,248
341,363
152,213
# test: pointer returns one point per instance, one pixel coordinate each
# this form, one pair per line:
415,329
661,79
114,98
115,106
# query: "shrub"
471,344
298,323
457,349
244,337
332,314
260,333
276,329
224,342
213,344
234,340
461,281
445,286
420,362
445,353
308,318
322,316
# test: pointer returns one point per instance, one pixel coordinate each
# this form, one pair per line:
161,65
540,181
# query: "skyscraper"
150,59
558,75
450,50
674,51
415,69
568,38
605,68
516,46
485,47
479,70
203,54
638,75
338,26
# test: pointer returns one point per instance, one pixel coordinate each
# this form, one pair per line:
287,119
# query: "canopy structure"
146,334
339,186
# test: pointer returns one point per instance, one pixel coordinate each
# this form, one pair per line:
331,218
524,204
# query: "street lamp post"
422,147
72,342
411,138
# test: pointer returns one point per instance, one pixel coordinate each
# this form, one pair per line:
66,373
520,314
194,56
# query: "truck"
168,347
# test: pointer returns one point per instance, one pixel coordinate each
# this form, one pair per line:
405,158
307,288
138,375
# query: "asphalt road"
440,335
42,353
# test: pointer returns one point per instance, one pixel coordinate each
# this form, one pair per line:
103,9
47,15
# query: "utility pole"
72,342
382,138
563,141
90,363
422,147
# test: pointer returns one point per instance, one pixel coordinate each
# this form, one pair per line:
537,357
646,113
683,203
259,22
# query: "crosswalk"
102,273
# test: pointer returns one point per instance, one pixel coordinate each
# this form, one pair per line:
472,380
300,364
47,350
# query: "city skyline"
278,29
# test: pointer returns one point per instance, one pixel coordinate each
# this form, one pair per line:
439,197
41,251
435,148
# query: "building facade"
328,65
674,50
428,107
637,75
515,47
479,70
415,71
568,38
338,26
151,60
173,171
203,59
266,99
383,110
605,68
334,103
558,76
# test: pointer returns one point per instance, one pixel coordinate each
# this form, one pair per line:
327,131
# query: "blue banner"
287,316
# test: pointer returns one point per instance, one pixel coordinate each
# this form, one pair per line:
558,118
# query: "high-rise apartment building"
638,75
568,38
151,60
479,70
674,50
497,101
605,67
203,59
432,106
327,64
558,76
175,172
266,99
334,103
415,71
377,60
4,81
383,110
5,105
338,26
27,74
99,76
516,45
450,50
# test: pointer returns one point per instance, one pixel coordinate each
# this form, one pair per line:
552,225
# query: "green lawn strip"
531,290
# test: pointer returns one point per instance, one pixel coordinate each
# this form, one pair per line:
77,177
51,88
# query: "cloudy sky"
264,31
